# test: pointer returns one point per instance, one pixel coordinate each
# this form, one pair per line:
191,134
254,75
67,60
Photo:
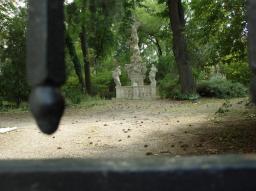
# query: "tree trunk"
75,60
87,68
176,14
84,44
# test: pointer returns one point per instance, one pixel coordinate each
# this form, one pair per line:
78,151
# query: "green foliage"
224,108
6,106
169,86
220,25
216,32
89,101
221,88
76,98
72,91
103,85
13,83
191,97
154,32
238,72
165,65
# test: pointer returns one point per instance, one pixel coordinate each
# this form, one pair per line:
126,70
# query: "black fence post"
45,61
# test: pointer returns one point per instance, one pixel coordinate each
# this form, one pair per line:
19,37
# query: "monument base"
136,92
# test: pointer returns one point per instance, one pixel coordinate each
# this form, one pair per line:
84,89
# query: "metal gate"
46,73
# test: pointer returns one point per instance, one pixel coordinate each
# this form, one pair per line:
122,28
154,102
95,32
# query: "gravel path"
117,129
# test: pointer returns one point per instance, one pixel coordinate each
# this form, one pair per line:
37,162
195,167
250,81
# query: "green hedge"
221,88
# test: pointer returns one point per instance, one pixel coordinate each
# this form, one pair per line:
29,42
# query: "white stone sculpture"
136,71
152,75
115,74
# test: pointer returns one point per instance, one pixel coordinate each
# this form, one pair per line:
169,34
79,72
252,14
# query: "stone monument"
115,75
152,78
136,71
152,75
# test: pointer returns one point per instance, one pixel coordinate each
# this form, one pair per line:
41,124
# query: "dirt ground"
135,129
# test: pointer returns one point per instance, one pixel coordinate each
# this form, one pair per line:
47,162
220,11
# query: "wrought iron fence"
46,73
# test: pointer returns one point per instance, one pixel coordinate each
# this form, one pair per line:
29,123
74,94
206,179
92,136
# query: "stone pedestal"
136,92
153,91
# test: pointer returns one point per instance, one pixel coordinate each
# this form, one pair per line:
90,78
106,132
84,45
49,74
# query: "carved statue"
134,42
152,75
137,69
115,74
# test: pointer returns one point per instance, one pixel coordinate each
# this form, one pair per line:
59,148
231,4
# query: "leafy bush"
103,85
169,87
6,106
89,101
221,88
238,72
76,97
164,66
72,91
180,96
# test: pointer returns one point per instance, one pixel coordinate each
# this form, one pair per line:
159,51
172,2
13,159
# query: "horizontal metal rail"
224,173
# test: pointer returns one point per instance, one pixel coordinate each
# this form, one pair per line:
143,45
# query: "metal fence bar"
45,61
226,173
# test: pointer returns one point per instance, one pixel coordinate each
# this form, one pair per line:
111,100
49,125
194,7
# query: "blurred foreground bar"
45,62
45,43
224,173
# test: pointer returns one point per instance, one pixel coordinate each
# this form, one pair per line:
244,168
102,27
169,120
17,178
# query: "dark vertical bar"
252,44
45,61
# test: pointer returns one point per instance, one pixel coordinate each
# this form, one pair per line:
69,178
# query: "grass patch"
88,102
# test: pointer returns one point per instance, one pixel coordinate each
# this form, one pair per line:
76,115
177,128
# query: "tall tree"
13,86
217,32
177,19
75,59
71,37
85,48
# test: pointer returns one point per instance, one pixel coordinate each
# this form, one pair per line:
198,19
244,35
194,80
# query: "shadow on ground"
230,133
228,136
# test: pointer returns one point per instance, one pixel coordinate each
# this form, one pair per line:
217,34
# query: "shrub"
164,66
169,87
72,91
221,88
103,85
238,72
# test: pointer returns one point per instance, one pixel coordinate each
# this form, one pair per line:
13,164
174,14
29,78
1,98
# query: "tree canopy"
213,35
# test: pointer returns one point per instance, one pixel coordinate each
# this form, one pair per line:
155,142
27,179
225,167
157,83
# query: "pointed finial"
47,107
